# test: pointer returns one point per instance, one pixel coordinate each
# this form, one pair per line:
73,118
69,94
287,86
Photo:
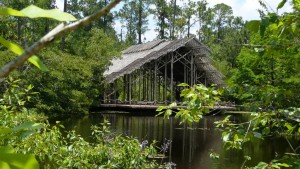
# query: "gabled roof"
135,56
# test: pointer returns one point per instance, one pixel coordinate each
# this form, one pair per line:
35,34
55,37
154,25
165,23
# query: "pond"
188,146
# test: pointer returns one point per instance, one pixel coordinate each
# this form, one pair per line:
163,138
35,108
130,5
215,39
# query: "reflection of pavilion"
148,74
189,144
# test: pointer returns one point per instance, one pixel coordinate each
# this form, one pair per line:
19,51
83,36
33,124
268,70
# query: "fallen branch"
56,33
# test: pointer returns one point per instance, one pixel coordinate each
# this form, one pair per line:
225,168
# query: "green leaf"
183,85
263,26
15,48
5,131
18,161
29,125
172,105
283,165
12,46
6,149
281,4
160,108
253,25
11,12
257,135
226,136
36,12
38,63
168,113
259,50
288,126
266,131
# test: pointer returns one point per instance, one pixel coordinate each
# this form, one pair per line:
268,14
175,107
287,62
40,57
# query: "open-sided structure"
149,73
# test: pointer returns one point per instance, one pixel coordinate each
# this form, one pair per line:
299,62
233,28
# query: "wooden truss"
155,82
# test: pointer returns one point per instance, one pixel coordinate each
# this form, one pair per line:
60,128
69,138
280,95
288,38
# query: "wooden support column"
124,88
150,84
155,81
140,78
165,86
192,70
150,91
158,98
144,85
115,91
172,79
129,88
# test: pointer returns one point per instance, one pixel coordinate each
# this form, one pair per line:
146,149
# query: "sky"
247,9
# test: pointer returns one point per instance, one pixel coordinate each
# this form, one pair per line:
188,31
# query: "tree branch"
56,33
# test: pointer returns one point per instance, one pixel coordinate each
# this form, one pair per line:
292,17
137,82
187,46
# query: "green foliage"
19,50
69,86
14,125
268,71
20,138
32,12
197,99
53,150
15,96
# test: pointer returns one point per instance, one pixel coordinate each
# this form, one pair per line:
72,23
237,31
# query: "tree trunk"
174,19
140,21
189,26
63,38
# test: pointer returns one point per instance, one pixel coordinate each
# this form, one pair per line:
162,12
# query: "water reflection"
190,145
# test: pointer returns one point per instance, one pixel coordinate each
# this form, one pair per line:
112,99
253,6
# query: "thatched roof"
136,56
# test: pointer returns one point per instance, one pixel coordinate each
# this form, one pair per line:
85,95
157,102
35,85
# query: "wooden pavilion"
148,74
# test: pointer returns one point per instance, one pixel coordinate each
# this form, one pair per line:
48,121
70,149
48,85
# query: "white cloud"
60,4
247,9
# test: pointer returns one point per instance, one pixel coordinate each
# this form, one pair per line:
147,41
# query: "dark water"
189,146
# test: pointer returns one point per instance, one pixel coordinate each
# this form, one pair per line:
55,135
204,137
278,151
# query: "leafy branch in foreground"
196,101
57,32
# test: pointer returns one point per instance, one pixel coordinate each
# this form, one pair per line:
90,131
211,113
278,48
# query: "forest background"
260,60
72,87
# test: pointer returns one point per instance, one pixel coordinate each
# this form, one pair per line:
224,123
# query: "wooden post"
129,88
150,83
172,79
158,99
144,86
140,74
165,86
192,70
155,81
124,88
115,90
